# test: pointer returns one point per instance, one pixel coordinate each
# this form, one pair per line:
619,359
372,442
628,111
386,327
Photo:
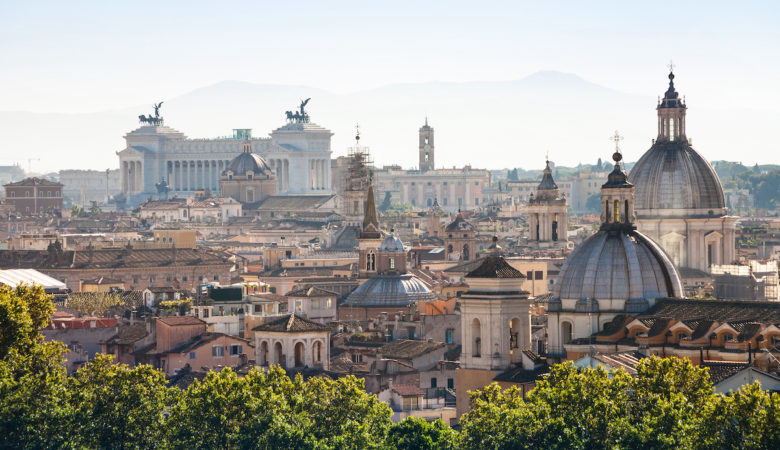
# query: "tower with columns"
547,213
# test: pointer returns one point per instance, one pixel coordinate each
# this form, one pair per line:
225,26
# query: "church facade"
298,153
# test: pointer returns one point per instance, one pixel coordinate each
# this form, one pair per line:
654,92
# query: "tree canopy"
669,403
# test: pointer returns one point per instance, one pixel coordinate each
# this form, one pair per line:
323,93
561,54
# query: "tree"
669,403
118,406
96,303
267,409
416,433
23,311
31,371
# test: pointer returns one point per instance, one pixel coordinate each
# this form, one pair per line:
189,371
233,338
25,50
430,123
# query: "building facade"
464,188
298,153
34,196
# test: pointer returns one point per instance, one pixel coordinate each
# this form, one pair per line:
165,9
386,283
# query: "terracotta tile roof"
291,323
715,310
128,334
409,348
34,181
204,339
113,258
407,390
721,370
519,375
495,267
181,320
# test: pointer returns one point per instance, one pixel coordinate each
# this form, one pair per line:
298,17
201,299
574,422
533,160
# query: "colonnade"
281,168
319,173
190,175
132,177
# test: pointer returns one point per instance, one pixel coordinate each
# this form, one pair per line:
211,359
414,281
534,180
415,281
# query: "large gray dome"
618,265
674,176
390,290
391,244
246,162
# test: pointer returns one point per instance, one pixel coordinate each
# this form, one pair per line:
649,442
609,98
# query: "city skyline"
88,57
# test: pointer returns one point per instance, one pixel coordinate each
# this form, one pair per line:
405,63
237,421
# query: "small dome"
618,265
246,162
390,290
672,175
391,244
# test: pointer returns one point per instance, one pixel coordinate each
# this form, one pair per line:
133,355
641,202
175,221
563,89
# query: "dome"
246,162
672,175
391,244
390,290
618,265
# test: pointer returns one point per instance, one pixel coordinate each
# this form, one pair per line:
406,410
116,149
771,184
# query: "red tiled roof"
407,390
181,320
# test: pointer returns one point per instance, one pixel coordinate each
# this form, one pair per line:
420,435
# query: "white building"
298,152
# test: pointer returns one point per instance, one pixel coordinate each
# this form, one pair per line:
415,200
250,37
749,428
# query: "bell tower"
671,114
426,147
547,213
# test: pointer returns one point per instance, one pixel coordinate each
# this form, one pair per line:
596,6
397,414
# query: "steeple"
370,227
617,195
671,114
547,188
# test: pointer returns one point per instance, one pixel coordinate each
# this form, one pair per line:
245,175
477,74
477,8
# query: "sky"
90,56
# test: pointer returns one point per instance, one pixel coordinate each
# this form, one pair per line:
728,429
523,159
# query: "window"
617,211
450,383
392,263
235,349
192,355
538,275
410,403
410,332
529,275
298,305
728,337
448,335
328,303
217,351
434,382
357,358
476,201
315,304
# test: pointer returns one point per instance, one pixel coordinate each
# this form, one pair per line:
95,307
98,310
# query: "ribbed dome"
618,265
673,176
390,290
391,244
246,162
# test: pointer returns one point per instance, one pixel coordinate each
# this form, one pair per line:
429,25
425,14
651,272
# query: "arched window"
392,263
514,333
465,252
476,335
449,248
317,352
566,332
299,354
264,354
617,211
278,355
371,261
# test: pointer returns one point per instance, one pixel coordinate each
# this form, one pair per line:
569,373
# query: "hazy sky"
84,56
88,56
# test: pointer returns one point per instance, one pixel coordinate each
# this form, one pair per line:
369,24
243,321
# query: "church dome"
672,175
618,265
249,162
390,290
391,244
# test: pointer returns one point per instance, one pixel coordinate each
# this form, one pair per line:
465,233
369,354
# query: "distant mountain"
491,124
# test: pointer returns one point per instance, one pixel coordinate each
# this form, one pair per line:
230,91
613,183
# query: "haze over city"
501,81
